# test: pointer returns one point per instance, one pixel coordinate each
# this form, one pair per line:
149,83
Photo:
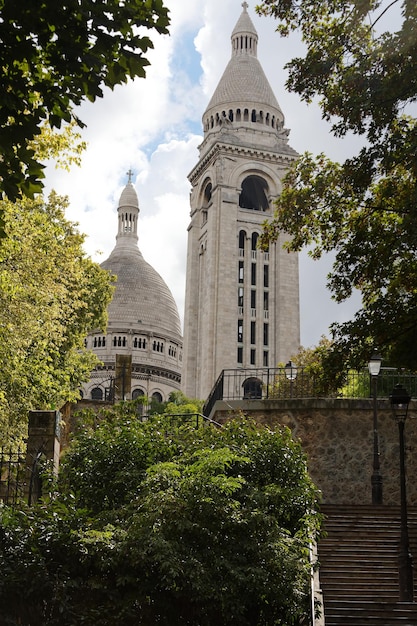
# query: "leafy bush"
160,523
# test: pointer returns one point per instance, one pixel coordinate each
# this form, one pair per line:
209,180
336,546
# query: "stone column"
43,447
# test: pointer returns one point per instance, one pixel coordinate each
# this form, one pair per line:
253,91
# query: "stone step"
358,557
371,576
345,613
371,596
361,547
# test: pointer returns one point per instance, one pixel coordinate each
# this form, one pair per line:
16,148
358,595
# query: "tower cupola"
244,35
128,214
243,98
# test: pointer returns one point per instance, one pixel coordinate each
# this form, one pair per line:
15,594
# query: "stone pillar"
123,378
43,446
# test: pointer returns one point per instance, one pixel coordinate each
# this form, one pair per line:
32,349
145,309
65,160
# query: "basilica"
241,303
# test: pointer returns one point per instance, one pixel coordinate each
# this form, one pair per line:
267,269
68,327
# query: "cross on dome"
129,174
245,6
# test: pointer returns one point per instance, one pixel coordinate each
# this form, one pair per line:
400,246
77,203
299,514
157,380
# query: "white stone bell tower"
241,305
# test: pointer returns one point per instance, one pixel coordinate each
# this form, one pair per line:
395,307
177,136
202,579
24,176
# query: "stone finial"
245,6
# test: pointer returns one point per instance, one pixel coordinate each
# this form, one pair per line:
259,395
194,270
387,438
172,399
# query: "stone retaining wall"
337,436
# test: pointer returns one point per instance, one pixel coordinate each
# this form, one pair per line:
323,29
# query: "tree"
195,526
51,296
53,56
178,403
363,210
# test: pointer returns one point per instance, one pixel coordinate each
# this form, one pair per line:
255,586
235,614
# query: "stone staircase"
359,566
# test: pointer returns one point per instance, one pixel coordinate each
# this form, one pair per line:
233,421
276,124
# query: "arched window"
242,239
156,396
254,194
96,393
137,393
207,194
252,389
255,237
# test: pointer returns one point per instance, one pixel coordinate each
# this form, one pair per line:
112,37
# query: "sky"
153,127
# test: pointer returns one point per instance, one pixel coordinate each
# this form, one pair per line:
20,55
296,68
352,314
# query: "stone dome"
140,353
141,298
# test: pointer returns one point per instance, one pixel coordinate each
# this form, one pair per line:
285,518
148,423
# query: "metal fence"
12,476
275,383
182,419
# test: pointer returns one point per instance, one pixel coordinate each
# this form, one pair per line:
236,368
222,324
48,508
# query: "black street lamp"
291,374
374,367
400,400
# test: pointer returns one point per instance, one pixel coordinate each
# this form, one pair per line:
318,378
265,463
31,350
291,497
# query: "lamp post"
400,400
374,367
291,374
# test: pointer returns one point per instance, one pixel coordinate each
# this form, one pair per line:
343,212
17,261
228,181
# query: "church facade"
242,304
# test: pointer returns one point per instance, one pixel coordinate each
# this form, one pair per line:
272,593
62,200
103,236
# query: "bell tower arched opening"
254,194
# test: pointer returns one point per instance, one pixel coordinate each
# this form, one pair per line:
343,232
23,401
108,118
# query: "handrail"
272,383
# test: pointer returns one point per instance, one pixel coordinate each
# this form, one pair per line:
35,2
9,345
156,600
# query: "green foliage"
363,210
357,385
196,526
363,76
106,464
53,56
314,378
64,147
51,295
179,403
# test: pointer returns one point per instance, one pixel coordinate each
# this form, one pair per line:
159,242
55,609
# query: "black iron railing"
180,419
12,476
273,383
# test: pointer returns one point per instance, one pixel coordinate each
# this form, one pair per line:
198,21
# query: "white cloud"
149,125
